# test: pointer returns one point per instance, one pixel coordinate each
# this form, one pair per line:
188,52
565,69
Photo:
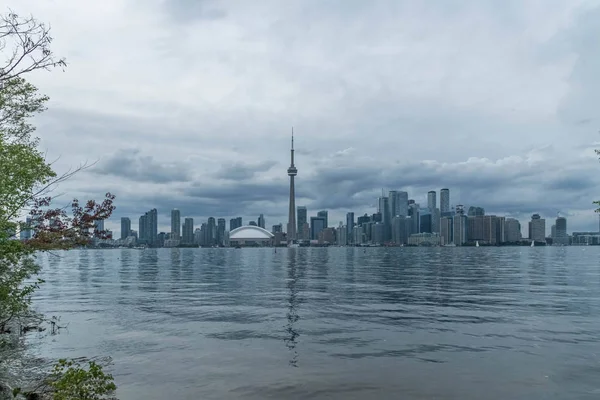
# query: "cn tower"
292,172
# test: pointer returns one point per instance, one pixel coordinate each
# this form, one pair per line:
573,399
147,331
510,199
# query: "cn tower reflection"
293,302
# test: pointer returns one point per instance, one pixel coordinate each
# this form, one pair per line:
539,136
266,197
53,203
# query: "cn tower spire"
292,171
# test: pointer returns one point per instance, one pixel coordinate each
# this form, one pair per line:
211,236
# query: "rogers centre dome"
250,235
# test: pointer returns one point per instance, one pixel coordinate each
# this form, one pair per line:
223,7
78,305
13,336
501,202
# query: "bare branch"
30,41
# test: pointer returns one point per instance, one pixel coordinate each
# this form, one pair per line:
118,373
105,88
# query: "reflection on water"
292,314
443,323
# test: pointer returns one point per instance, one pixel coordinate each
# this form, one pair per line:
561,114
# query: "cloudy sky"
190,104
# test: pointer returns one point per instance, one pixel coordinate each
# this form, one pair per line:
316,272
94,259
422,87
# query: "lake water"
332,323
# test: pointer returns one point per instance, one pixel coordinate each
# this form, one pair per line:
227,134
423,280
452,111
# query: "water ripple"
338,323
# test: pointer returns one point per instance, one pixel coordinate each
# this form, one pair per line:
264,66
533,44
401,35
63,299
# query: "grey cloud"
131,164
397,96
243,171
240,192
192,10
571,183
583,41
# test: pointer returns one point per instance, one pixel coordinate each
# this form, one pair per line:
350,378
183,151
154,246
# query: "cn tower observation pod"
250,235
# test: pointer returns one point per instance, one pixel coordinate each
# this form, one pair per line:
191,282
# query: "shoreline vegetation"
27,180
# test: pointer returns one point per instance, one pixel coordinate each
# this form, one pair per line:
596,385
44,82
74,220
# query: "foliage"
74,382
26,180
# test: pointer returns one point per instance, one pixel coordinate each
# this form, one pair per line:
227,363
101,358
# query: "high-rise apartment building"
537,228
142,229
221,228
188,231
211,232
125,227
349,226
341,235
431,200
414,213
561,237
175,224
402,204
400,230
476,211
386,219
302,222
99,225
444,201
393,202
325,215
235,223
512,229
26,229
425,221
152,222
317,224
475,228
459,233
277,228
446,230
435,220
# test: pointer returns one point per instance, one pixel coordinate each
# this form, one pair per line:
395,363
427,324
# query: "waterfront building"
175,224
325,215
302,221
431,200
444,201
235,223
125,227
459,234
537,228
424,239
349,226
250,236
188,232
317,224
561,237
512,228
446,230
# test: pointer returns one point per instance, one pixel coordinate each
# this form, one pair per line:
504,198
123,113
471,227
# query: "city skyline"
176,218
504,117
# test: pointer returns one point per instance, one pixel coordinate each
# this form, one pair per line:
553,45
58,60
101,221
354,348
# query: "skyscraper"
143,229
431,200
561,237
235,223
175,224
261,221
292,172
125,227
302,222
349,226
221,231
393,200
98,225
512,227
323,214
537,228
459,226
152,225
188,231
317,224
384,210
444,201
402,204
